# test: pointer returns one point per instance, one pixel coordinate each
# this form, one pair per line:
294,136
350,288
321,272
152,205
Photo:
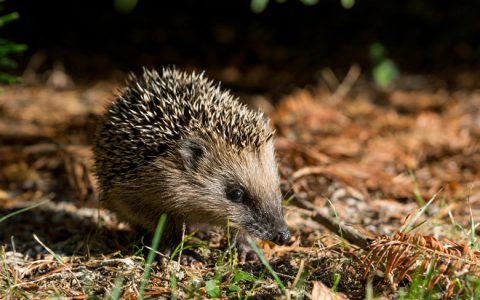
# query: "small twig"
330,79
50,276
156,251
184,228
299,273
296,249
347,232
346,85
306,171
15,271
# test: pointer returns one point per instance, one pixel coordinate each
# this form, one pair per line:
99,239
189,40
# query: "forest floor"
349,154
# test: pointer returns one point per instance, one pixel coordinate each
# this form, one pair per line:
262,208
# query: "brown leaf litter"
360,161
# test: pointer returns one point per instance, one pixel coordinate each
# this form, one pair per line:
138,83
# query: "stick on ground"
336,226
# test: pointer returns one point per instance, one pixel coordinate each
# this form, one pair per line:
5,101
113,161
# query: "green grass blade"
57,258
265,263
181,246
407,227
151,254
117,289
5,19
22,210
173,285
472,237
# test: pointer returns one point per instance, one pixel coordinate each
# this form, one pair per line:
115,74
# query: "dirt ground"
349,153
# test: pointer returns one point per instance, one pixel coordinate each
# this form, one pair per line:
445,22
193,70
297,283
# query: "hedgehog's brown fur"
176,143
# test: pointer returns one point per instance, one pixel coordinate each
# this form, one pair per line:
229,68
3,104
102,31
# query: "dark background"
284,46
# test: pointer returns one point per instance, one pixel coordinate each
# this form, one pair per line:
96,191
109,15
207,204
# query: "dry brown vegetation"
357,164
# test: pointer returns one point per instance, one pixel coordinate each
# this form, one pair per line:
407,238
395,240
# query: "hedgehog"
176,143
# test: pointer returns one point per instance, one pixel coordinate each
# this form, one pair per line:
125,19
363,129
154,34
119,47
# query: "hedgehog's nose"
282,237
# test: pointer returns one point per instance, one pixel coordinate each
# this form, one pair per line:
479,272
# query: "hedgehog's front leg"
172,235
244,250
171,239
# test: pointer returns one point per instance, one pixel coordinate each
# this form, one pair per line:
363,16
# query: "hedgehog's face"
240,188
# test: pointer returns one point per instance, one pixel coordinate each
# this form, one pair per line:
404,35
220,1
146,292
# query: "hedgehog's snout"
282,236
276,232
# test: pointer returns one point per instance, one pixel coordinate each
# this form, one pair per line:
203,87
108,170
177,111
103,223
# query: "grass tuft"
410,225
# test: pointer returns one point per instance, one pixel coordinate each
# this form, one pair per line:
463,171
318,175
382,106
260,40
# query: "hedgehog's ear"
192,150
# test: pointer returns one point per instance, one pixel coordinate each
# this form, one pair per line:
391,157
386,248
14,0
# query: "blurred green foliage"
7,48
124,6
309,2
258,6
347,4
384,71
212,288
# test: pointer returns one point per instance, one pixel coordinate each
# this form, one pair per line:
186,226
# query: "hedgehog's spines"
155,110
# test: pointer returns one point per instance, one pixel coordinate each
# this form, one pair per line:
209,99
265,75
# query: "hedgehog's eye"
236,195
